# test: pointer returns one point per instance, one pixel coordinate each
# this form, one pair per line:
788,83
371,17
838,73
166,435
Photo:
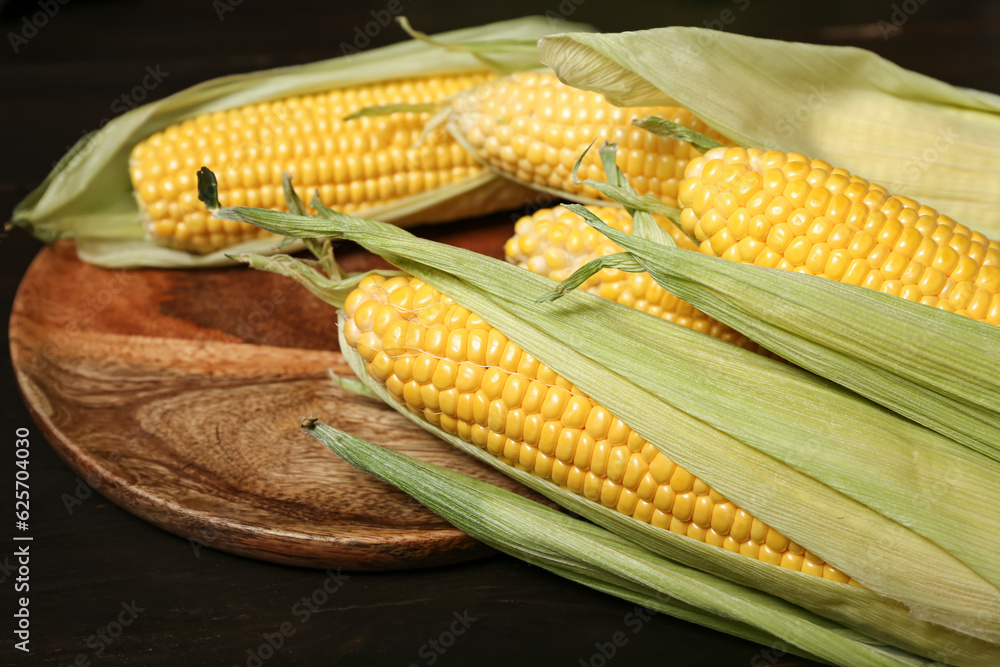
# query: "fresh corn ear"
531,127
252,127
454,370
920,137
555,242
362,164
747,205
917,539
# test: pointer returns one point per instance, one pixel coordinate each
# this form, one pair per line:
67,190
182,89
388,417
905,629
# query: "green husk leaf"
546,537
655,601
321,249
623,261
639,207
330,290
654,394
353,385
526,47
671,130
478,51
387,109
126,253
88,195
642,220
910,133
619,190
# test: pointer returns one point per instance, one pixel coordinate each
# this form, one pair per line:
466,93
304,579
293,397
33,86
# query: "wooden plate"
178,396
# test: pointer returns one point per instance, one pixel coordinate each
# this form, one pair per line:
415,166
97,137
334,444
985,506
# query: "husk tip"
208,189
232,213
579,161
552,295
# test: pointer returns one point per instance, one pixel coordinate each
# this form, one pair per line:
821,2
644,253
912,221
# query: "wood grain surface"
178,395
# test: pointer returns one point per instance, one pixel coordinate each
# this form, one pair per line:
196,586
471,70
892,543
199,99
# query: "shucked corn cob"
532,127
353,165
555,242
458,372
787,211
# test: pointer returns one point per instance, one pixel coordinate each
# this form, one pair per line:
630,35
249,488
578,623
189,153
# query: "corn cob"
456,371
353,165
555,242
533,128
787,211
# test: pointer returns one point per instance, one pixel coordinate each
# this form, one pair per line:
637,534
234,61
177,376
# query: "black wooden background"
94,564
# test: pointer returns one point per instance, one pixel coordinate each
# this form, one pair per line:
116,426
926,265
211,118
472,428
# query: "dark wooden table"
109,589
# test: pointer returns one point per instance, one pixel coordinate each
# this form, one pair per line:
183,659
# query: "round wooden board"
178,396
